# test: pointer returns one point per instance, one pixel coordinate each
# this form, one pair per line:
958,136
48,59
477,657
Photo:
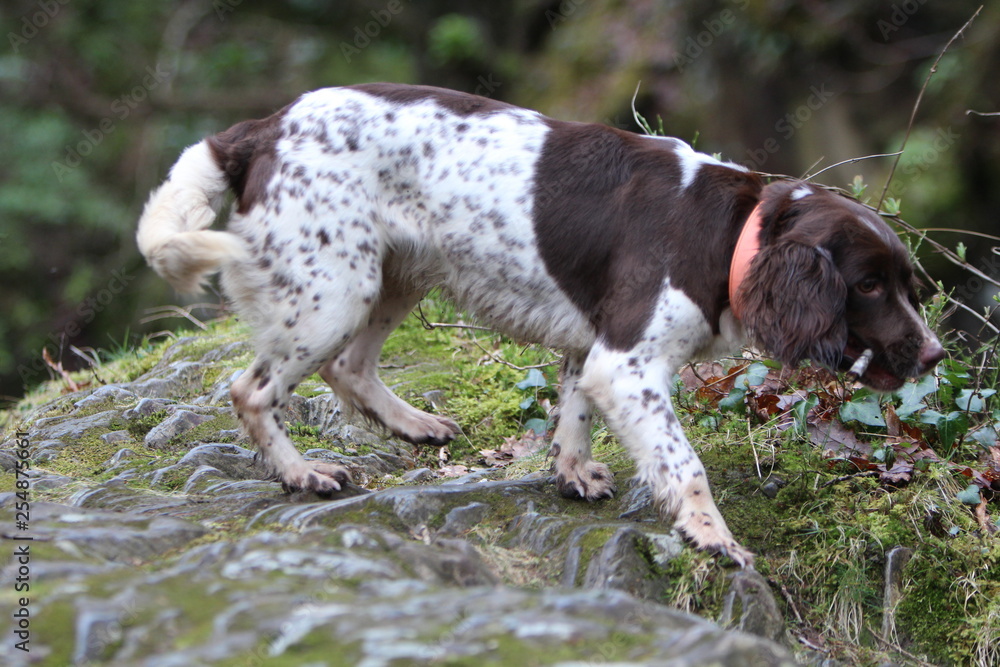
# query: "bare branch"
916,105
851,161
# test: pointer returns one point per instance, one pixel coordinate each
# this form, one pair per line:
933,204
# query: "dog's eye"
868,285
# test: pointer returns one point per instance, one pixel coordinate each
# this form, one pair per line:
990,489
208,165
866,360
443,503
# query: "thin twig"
916,105
500,360
961,231
971,112
805,176
640,121
851,161
173,311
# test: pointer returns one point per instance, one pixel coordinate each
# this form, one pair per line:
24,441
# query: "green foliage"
455,38
751,377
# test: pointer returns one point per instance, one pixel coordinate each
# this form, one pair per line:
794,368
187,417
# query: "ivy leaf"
912,395
949,426
800,411
539,426
865,409
970,496
535,378
756,374
985,436
527,403
973,401
734,402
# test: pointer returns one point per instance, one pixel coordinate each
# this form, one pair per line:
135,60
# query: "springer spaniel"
351,203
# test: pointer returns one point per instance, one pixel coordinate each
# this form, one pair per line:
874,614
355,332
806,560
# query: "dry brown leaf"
837,440
456,470
901,471
514,448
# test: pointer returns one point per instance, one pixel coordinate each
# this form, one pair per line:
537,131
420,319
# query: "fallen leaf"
693,375
456,470
514,448
901,471
837,440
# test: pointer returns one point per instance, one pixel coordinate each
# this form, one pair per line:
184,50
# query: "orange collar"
746,248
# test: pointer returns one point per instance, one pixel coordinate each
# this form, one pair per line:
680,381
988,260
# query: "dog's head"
831,279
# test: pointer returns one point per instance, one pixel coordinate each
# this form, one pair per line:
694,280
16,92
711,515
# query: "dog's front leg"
632,389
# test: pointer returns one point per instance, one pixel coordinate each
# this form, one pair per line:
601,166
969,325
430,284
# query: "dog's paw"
423,428
710,533
591,481
323,479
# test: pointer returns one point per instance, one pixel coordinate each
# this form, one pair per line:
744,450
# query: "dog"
619,249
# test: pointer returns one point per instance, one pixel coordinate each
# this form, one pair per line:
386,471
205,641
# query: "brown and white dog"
352,203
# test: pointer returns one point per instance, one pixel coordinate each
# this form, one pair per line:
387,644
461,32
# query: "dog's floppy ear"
793,301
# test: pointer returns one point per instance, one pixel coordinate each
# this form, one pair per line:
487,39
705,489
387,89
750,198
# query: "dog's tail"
173,232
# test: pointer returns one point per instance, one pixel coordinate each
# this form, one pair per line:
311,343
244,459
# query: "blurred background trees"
97,98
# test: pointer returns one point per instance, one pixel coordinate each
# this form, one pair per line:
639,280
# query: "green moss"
87,455
49,628
8,481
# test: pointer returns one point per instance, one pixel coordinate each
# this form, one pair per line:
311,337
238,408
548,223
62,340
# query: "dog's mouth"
876,375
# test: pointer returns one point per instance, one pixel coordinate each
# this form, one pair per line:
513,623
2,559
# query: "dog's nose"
930,354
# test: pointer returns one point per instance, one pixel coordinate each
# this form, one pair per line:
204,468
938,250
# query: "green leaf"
970,496
865,410
913,393
535,378
735,401
756,374
801,410
539,426
893,206
954,373
985,436
973,401
951,426
960,250
527,403
858,186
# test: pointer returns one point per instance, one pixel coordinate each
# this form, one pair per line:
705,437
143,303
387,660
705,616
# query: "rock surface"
183,554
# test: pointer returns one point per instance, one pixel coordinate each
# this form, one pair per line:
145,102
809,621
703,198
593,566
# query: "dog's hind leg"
577,474
353,376
260,398
293,342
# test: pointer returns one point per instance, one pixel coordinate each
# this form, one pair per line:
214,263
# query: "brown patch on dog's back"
610,222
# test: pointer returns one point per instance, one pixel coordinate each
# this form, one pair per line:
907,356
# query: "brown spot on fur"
247,154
